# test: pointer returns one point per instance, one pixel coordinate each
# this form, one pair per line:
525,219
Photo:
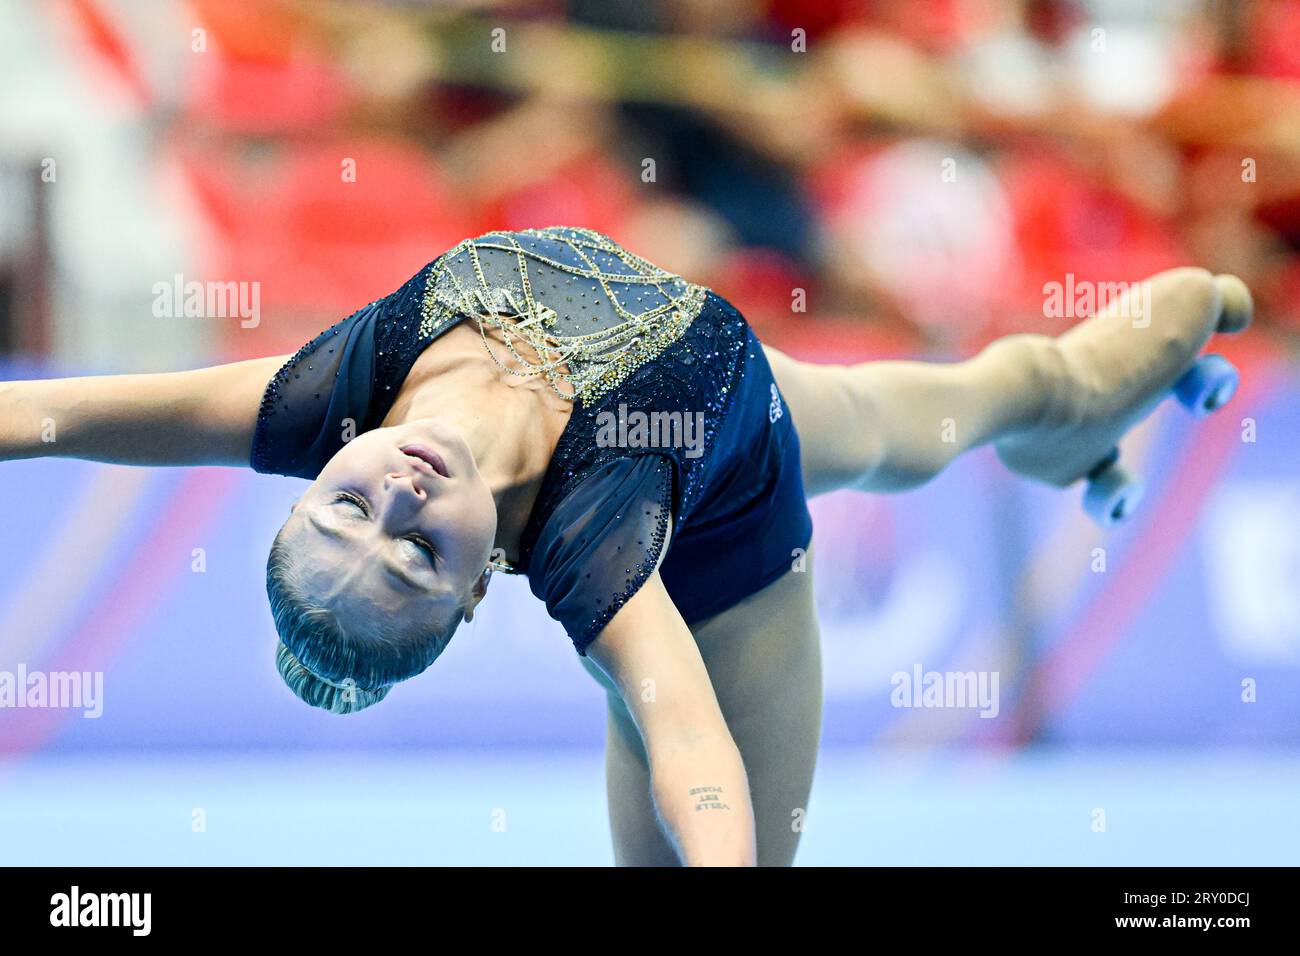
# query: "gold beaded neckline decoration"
589,311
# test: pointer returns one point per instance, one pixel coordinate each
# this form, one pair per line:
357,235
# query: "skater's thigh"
633,822
827,409
764,661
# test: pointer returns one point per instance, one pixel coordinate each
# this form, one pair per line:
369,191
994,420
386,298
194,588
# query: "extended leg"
1053,407
889,426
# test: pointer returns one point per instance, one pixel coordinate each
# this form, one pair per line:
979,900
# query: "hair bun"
337,698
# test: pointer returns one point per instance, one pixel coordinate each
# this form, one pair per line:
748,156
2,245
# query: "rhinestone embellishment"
540,287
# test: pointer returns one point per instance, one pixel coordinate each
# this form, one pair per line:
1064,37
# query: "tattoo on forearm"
708,798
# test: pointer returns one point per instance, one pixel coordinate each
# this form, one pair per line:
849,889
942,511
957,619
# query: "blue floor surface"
527,807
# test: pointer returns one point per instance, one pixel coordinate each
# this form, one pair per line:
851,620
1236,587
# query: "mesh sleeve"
601,544
336,386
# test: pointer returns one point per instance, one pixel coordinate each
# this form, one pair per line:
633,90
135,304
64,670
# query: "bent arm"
200,417
697,777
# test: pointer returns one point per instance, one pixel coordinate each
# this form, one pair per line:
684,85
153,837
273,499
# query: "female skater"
545,402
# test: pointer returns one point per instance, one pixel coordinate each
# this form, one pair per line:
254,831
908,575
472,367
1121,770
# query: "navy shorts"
752,523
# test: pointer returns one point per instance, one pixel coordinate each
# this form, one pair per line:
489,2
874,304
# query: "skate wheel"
1112,496
1207,385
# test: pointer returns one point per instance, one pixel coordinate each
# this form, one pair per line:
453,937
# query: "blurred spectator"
908,166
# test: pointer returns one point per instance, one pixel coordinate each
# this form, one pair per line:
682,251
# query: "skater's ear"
477,592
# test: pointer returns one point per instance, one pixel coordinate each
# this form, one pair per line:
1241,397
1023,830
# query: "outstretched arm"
200,417
697,778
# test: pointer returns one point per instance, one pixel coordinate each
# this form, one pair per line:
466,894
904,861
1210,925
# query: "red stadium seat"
322,246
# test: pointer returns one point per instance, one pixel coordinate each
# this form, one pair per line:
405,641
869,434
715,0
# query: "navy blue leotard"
693,435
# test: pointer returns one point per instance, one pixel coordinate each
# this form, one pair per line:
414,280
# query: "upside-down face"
399,523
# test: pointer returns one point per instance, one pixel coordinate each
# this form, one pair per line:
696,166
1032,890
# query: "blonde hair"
328,666
337,698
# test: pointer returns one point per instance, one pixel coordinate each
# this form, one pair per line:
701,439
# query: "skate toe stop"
1238,307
